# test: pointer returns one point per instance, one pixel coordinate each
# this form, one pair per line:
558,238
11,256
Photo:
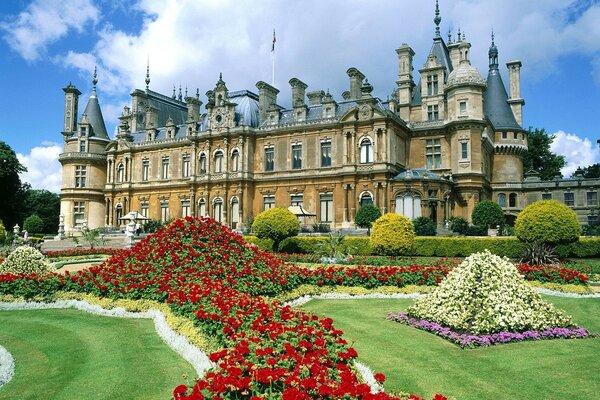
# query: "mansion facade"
445,140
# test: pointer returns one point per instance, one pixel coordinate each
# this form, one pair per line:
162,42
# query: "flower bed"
207,273
81,252
466,340
551,274
7,366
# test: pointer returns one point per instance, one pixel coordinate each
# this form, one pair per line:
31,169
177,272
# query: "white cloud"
44,22
578,152
43,168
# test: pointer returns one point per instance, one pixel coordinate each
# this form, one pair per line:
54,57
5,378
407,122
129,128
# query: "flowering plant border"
7,366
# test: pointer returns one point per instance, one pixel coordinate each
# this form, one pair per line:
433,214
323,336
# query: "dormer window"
432,85
83,131
433,113
328,112
82,146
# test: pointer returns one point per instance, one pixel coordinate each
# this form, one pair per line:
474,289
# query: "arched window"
235,212
121,173
502,200
235,160
366,151
408,204
218,209
219,162
512,200
202,208
366,198
202,164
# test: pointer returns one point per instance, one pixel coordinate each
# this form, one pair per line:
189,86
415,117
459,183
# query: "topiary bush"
392,234
487,214
366,215
424,226
33,224
547,221
276,224
25,260
458,225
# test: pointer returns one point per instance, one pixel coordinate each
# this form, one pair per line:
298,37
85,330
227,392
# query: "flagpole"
273,59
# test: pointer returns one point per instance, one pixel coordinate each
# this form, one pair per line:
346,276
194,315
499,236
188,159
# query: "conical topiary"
485,294
25,260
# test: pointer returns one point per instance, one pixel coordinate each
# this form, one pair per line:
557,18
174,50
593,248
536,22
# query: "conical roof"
94,116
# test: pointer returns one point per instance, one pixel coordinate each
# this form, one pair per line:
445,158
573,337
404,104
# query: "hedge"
449,246
263,244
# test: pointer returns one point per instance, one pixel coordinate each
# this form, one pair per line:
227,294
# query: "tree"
45,205
12,189
547,221
487,214
366,215
592,171
276,224
539,157
33,224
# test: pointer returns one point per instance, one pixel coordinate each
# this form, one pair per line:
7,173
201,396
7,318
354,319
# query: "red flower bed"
81,252
552,274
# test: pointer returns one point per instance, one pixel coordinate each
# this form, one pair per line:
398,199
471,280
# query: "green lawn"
70,354
421,363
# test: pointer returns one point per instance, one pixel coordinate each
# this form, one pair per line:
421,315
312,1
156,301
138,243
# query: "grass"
424,364
67,354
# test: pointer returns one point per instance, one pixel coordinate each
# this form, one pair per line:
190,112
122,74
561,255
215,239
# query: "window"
462,108
296,156
164,210
546,196
269,158
235,212
121,173
433,152
144,208
433,113
83,131
464,150
366,151
218,209
82,146
592,219
78,213
512,200
235,160
326,200
502,200
219,162
268,202
165,168
201,208
296,200
366,199
515,135
80,176
592,198
570,199
325,154
145,169
202,163
185,208
185,166
409,204
328,112
504,135
432,85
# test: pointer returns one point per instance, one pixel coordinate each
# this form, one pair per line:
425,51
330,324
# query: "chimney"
267,98
71,102
298,92
151,117
315,97
516,101
193,109
356,79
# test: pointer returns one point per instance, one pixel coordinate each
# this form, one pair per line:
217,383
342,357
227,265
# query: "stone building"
445,140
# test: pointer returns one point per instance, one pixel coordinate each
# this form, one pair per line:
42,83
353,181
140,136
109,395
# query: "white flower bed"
7,366
566,294
179,343
26,260
344,296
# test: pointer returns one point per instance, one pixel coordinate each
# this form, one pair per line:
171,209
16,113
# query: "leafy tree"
12,189
33,224
45,205
539,157
487,214
592,171
549,222
366,215
424,226
276,224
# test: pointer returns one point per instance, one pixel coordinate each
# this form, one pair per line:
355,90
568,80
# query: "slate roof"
495,105
94,116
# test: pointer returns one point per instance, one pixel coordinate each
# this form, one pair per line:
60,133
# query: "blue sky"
45,44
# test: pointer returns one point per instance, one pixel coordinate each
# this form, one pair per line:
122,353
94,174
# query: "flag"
274,40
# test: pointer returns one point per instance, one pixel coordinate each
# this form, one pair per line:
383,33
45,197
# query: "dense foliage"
25,260
424,226
393,234
276,224
487,214
458,225
10,182
45,205
33,224
547,221
540,158
366,215
591,171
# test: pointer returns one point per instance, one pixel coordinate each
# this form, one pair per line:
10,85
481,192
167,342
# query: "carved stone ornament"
365,112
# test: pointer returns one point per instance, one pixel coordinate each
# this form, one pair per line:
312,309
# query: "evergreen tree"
12,189
539,157
45,205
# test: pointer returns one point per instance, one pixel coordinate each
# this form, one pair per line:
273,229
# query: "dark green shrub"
424,226
474,230
276,224
262,244
487,214
2,233
591,230
33,224
152,225
458,225
366,215
321,228
392,234
547,221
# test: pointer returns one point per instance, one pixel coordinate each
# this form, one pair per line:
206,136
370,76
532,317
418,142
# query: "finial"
179,95
148,73
463,36
94,80
197,93
186,92
437,19
492,36
173,96
458,35
220,76
493,54
449,36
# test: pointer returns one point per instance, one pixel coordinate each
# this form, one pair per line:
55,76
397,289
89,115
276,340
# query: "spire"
437,19
179,97
173,96
449,36
94,82
148,73
493,54
197,93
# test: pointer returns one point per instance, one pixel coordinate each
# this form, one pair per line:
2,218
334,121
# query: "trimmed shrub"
366,215
392,234
547,221
262,244
33,224
424,226
276,224
25,260
474,230
458,225
487,214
